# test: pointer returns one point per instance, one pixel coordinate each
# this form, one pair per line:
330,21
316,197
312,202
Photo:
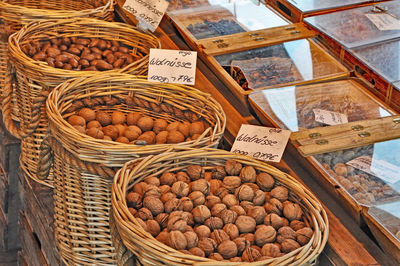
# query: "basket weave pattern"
152,252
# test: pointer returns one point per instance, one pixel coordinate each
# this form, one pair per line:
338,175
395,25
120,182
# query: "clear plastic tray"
290,62
383,58
306,6
353,28
226,17
388,215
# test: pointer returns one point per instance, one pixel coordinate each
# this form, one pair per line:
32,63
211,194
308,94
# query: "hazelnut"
197,252
207,245
134,200
244,192
200,185
241,244
176,223
248,174
215,185
202,231
229,216
162,219
264,234
214,223
182,176
273,205
216,256
270,250
231,230
191,239
111,131
285,232
304,235
280,193
149,137
151,190
181,189
93,123
88,114
219,236
273,220
163,237
175,137
258,213
289,245
122,140
171,205
145,123
161,137
195,172
201,213
211,201
167,178
297,225
154,204
233,168
238,209
292,211
259,198
196,128
95,132
197,198
153,227
218,172
144,214
167,196
159,125
132,118
246,224
104,118
186,204
217,209
228,249
265,181
118,117
177,240
250,254
173,126
184,129
232,182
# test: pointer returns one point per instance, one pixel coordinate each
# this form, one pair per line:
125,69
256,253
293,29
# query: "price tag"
329,118
148,12
172,66
362,163
263,143
384,21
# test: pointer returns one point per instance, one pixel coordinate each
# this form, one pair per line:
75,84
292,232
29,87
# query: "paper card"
329,118
384,21
148,12
362,163
172,66
263,143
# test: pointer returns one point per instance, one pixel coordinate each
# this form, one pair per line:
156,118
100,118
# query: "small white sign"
384,21
263,143
362,163
329,118
172,66
148,12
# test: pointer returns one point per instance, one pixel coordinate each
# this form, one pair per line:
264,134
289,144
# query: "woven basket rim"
126,222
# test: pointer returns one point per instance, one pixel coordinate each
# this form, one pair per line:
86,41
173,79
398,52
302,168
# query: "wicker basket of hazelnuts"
97,124
212,207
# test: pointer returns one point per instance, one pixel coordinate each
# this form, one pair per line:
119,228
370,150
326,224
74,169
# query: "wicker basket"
35,78
152,252
83,167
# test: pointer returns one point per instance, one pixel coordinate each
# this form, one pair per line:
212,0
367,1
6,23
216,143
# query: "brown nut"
241,244
154,204
248,174
186,204
232,230
201,213
145,123
176,223
133,118
265,181
207,245
118,117
200,185
202,231
177,240
192,239
280,193
167,178
181,189
182,176
292,211
197,197
104,118
244,192
250,254
153,227
76,120
246,224
217,209
211,201
134,200
218,172
304,235
219,236
289,245
167,196
229,216
273,205
264,234
230,200
232,182
214,223
297,225
233,168
197,252
159,125
270,250
196,128
171,205
195,172
259,198
273,220
144,214
238,209
162,220
285,232
258,213
94,132
228,249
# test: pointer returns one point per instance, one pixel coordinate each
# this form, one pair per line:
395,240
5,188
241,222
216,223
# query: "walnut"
201,213
230,200
162,219
216,256
151,190
181,189
264,234
241,244
195,172
231,183
280,193
271,250
214,223
244,192
249,237
232,231
153,227
273,205
159,125
186,204
248,174
217,209
218,172
164,189
228,249
197,252
207,245
192,239
134,200
273,220
211,201
144,214
167,196
232,167
246,205
202,231
289,245
221,192
171,205
197,198
229,216
176,223
152,180
265,181
200,185
304,235
163,237
292,211
246,224
154,204
167,178
182,176
285,232
259,198
250,254
215,185
296,225
177,240
219,236
188,217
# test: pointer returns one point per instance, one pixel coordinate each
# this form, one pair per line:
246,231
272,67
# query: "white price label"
329,118
263,143
172,66
148,12
362,163
384,21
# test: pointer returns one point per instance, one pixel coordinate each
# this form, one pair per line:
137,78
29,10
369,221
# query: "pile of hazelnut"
230,212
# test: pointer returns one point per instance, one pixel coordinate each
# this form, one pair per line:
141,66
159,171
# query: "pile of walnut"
81,53
229,213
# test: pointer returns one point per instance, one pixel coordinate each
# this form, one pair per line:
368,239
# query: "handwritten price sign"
148,12
172,66
263,143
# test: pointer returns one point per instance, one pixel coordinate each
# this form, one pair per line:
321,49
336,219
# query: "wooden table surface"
347,243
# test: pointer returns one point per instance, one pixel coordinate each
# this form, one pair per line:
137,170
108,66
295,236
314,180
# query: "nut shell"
228,249
264,234
289,245
207,245
154,204
181,189
233,168
250,254
265,181
248,174
195,172
279,192
304,235
292,211
246,224
177,240
201,213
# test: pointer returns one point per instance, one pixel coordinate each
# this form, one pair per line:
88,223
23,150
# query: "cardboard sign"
329,118
263,143
148,12
384,21
172,66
